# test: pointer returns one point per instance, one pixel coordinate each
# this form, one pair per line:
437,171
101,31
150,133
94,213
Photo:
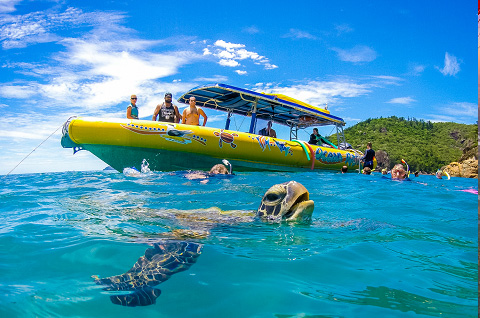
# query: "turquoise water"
375,248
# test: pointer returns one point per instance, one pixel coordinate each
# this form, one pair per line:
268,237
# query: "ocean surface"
375,247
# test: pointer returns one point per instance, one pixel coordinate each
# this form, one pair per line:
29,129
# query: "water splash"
131,172
145,168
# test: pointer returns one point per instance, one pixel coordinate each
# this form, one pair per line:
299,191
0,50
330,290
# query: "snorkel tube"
408,168
228,164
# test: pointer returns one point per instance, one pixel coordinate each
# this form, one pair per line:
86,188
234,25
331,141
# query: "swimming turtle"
288,201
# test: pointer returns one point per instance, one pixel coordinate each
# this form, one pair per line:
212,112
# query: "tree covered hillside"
424,145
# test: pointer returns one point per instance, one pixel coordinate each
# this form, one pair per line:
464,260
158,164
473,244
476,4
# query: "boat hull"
125,143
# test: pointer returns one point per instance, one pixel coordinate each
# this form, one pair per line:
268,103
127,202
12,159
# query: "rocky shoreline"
467,166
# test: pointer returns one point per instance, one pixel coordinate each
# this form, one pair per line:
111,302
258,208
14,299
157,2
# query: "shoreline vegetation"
426,146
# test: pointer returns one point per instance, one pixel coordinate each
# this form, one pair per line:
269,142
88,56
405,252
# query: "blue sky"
363,60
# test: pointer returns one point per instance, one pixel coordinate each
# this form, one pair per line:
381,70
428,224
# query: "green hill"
426,146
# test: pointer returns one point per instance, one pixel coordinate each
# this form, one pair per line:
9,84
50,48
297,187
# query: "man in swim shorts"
191,115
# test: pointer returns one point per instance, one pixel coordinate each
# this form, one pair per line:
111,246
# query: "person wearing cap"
191,115
268,131
167,111
132,110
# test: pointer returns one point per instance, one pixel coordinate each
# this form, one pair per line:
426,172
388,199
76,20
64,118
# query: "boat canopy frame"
276,108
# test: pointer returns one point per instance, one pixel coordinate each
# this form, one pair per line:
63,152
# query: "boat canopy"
278,108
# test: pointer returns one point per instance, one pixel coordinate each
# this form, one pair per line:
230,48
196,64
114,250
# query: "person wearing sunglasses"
132,110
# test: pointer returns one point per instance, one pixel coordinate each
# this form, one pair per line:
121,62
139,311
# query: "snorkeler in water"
398,172
216,170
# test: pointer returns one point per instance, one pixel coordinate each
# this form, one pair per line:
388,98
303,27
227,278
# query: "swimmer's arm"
155,113
184,116
129,112
201,112
177,114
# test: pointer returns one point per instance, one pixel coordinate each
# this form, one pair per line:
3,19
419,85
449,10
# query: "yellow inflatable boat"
165,146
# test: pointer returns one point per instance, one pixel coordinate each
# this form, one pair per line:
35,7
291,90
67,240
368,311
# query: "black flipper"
140,297
156,266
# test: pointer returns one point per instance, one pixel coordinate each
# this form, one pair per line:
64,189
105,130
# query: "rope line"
33,151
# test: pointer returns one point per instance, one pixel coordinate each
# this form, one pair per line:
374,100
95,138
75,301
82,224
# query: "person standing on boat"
268,131
132,110
314,137
367,158
167,111
191,115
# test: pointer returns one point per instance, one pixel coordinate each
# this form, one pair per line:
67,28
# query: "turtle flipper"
156,266
140,297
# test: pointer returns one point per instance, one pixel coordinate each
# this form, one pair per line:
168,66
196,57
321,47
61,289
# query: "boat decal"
263,142
168,132
328,157
283,147
225,137
352,160
144,130
182,141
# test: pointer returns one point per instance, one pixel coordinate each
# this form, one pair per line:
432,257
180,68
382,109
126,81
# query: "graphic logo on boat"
263,142
283,147
328,157
352,160
225,138
168,132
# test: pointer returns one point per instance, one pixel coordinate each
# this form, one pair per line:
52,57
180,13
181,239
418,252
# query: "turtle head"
286,201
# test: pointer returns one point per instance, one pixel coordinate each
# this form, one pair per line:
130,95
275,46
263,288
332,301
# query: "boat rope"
235,121
302,143
33,150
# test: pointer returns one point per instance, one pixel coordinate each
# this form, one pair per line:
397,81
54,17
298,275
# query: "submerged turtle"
288,201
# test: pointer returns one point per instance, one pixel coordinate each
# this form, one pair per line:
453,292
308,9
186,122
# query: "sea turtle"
287,201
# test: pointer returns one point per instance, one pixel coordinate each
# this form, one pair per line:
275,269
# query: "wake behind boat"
125,143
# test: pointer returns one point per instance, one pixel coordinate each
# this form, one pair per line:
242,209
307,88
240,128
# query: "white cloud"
7,6
461,109
216,79
416,69
456,112
299,34
318,93
357,54
387,79
402,100
451,67
228,45
229,55
251,30
230,63
239,72
18,91
8,134
343,28
17,31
